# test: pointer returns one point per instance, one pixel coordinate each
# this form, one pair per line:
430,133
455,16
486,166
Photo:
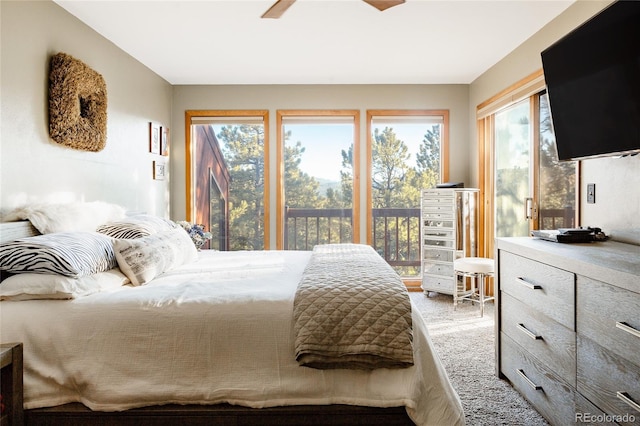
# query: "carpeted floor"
465,344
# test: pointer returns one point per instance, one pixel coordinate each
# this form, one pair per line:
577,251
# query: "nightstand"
11,384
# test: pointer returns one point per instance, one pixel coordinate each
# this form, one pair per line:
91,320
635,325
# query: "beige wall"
360,97
33,167
617,180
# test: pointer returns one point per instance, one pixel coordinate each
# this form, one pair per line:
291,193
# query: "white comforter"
217,330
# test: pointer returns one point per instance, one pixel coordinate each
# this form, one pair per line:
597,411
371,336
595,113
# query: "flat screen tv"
593,83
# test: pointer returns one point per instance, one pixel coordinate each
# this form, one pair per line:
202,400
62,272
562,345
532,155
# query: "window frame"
189,160
444,150
281,115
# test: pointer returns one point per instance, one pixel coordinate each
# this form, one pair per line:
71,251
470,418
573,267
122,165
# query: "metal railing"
557,218
396,231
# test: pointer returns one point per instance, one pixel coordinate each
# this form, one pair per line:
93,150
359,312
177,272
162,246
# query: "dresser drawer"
439,215
438,233
436,197
607,379
610,316
545,288
437,284
445,269
438,223
589,414
439,243
441,255
552,397
549,342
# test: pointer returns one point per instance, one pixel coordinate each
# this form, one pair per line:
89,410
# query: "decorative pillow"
48,286
72,254
138,226
143,259
67,217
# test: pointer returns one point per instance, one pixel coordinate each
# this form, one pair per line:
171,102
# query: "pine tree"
243,149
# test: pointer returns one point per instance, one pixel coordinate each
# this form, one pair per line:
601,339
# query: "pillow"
66,217
72,254
29,286
143,259
138,226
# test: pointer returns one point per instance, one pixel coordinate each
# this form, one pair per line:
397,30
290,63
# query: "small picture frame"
164,141
154,138
159,170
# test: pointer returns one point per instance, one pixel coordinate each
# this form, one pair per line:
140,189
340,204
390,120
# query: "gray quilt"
351,310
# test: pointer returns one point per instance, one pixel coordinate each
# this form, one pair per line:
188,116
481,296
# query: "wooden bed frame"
206,415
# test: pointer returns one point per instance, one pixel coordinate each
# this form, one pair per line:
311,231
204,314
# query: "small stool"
478,269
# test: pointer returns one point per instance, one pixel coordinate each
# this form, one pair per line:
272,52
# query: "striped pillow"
138,226
72,254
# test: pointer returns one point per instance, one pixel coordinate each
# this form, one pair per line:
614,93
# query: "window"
317,156
407,151
227,178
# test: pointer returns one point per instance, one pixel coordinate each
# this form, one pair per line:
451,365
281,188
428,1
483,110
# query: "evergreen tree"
389,166
243,150
557,179
346,178
428,159
301,190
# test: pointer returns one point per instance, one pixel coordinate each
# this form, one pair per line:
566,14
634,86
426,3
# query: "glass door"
523,185
514,203
556,180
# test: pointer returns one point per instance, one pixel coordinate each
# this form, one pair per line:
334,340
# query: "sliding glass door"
523,185
513,171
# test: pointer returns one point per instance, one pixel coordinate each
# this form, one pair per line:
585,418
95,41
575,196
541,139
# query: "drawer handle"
626,327
528,380
528,332
627,400
528,284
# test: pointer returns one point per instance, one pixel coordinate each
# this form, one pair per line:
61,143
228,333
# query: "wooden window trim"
283,114
264,114
444,159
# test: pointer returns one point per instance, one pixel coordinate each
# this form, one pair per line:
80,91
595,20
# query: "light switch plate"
591,193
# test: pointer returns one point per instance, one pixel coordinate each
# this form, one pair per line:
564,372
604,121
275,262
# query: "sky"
324,143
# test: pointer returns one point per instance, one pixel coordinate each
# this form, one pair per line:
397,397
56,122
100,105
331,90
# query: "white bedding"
217,330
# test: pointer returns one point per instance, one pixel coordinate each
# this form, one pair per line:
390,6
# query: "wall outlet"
591,193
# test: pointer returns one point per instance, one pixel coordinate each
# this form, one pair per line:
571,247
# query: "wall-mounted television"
593,83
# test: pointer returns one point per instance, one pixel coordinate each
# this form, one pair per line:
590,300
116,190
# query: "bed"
209,341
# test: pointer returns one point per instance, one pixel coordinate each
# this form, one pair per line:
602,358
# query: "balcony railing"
396,231
557,218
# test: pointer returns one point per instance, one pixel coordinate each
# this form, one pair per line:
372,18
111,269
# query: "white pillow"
64,217
143,259
30,286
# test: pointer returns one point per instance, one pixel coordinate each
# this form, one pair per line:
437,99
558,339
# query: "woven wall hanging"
77,104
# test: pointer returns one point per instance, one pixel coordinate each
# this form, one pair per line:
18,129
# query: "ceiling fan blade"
383,4
277,9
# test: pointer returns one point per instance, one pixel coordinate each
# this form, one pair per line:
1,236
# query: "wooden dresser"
568,328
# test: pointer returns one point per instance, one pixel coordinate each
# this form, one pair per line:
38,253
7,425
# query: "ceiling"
317,41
